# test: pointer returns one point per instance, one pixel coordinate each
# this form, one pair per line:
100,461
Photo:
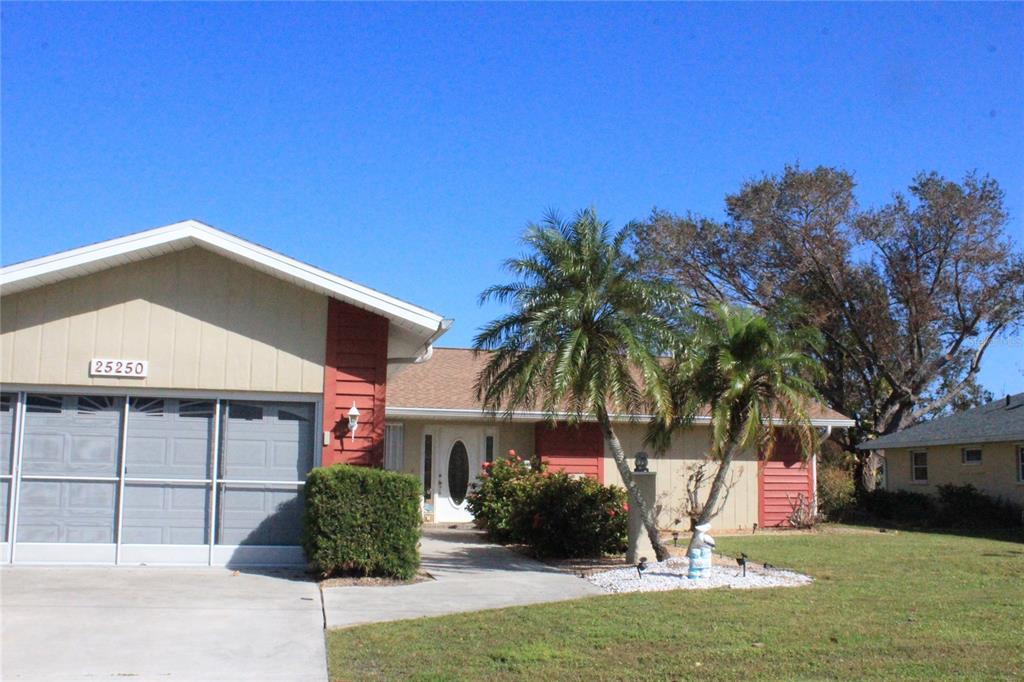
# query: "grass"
893,605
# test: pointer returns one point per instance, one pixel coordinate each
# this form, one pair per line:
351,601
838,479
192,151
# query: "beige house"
437,430
983,446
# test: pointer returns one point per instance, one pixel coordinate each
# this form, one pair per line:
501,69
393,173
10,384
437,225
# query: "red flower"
625,506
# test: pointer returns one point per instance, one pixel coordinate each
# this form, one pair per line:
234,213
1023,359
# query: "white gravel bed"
671,575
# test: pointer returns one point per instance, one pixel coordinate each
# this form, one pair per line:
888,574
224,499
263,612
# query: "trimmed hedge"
555,514
362,521
955,506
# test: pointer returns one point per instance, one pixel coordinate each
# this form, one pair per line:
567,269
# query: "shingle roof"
998,421
447,380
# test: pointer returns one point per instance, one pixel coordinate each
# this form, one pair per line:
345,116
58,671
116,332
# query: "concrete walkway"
470,575
159,624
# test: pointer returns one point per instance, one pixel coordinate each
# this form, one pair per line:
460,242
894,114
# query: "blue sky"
406,146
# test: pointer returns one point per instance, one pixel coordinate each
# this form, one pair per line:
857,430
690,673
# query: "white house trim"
462,413
178,236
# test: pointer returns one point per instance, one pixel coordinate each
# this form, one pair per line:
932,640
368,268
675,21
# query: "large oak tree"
908,296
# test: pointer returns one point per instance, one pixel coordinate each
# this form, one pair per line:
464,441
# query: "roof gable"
995,422
178,236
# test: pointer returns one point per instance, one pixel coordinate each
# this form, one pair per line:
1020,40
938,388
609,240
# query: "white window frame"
963,456
394,435
429,431
914,466
493,435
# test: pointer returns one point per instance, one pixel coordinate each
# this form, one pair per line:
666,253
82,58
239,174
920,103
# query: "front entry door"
459,466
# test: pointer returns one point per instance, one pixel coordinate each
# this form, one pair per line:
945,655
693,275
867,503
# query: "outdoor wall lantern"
353,420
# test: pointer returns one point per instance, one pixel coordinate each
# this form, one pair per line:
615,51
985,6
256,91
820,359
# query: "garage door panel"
71,436
5,496
165,514
259,516
169,438
7,402
66,511
268,442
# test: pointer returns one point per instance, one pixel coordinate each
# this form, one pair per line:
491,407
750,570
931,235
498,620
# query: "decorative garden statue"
700,552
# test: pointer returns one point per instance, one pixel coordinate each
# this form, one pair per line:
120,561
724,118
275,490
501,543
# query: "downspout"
814,472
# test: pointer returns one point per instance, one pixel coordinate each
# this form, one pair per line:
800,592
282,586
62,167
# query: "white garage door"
105,479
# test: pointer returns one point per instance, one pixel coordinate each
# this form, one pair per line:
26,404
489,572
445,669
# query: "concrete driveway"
469,575
159,624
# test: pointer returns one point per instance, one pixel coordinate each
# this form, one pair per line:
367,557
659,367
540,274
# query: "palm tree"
582,338
750,375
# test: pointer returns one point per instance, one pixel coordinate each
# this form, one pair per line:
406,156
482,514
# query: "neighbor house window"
919,467
489,449
1020,463
393,443
970,456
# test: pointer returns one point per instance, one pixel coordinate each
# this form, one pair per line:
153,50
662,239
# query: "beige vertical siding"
996,475
201,320
688,450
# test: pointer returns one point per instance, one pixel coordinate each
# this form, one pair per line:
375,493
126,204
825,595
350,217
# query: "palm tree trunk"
635,496
707,512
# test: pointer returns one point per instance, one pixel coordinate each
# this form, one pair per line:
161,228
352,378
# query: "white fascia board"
469,413
66,264
1002,438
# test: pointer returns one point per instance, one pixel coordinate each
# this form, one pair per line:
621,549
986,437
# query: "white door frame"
472,436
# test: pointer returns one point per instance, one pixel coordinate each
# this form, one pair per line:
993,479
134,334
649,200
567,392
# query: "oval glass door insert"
458,473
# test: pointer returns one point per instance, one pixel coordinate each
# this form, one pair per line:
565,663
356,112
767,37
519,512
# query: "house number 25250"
102,367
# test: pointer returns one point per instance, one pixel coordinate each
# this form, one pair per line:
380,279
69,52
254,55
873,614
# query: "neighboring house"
438,432
165,394
983,446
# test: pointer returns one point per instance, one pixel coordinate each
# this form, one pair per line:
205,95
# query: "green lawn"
895,605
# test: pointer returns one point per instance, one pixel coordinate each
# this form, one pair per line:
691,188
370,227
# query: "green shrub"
555,514
836,491
955,506
964,506
899,506
503,488
570,516
362,521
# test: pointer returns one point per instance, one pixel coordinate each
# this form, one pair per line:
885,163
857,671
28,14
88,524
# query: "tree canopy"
908,296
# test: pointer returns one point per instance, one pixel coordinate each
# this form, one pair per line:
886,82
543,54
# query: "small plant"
802,512
836,491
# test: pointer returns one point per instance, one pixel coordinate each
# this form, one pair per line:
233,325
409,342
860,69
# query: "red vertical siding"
355,370
780,480
575,449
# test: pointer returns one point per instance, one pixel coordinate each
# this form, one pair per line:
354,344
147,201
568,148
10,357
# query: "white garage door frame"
118,552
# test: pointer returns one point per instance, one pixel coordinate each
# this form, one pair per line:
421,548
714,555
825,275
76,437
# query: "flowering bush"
556,514
503,487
